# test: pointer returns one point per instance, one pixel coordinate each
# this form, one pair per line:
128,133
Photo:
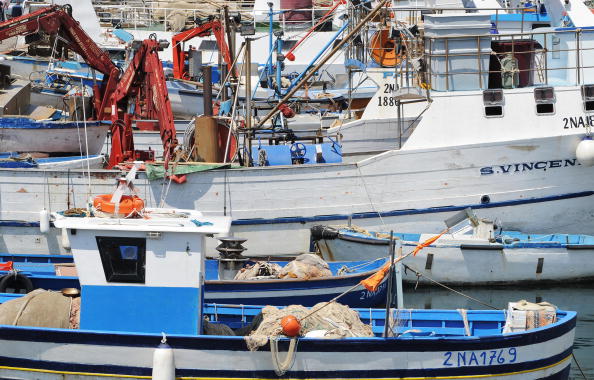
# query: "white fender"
44,221
585,151
163,362
65,240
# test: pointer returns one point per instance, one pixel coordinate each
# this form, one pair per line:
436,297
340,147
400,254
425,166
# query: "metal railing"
561,57
157,18
542,58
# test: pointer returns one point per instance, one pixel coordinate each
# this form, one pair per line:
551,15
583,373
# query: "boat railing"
526,52
544,58
157,18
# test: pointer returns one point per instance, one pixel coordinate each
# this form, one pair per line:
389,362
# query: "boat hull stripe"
145,373
365,215
28,334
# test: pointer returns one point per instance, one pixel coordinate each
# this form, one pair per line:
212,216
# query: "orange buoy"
290,325
128,204
383,49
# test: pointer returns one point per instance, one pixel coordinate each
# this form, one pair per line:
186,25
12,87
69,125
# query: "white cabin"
142,275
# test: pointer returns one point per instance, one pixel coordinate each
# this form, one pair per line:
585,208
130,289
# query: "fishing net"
304,267
259,270
42,308
333,321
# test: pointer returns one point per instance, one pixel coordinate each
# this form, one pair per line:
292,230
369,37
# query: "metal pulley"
231,247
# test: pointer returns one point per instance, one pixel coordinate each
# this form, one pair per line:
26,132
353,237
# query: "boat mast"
338,46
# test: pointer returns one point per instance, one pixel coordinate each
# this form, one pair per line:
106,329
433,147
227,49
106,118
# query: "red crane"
179,55
144,79
56,20
143,85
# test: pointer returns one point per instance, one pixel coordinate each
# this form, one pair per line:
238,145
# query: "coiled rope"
281,368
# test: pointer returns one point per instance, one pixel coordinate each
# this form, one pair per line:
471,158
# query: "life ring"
384,49
128,204
16,283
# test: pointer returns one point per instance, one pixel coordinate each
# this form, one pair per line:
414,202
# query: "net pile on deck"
305,267
42,308
332,321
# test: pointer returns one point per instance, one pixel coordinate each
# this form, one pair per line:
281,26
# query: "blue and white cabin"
146,274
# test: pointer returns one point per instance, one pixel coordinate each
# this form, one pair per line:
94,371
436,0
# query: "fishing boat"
55,272
28,128
26,135
142,312
12,160
473,252
472,146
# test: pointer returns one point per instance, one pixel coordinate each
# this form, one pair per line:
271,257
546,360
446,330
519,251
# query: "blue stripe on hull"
360,299
367,215
9,333
432,210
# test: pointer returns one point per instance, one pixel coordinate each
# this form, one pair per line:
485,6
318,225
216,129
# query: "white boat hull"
52,354
529,183
483,264
54,140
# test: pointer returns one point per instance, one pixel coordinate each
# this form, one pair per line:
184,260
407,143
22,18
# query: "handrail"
150,16
568,58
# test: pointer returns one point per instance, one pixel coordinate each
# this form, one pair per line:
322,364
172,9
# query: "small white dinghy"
471,252
141,313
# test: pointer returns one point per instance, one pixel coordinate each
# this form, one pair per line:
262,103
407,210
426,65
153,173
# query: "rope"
82,98
350,289
281,368
419,274
579,367
465,320
369,196
347,269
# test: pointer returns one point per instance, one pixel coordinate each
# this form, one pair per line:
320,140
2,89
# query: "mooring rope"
419,274
578,365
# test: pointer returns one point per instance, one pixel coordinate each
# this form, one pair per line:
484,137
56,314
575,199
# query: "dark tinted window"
208,45
123,259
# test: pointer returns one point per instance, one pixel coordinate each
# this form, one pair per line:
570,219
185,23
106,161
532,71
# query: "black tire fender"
10,280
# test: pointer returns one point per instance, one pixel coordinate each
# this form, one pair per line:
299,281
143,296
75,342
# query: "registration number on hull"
480,358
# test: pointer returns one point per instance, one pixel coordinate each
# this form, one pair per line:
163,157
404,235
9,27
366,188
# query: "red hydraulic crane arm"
57,20
144,77
212,27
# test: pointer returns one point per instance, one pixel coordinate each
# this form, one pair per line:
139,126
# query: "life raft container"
128,204
384,49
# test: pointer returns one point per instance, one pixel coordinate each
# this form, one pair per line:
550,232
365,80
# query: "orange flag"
6,266
427,242
372,282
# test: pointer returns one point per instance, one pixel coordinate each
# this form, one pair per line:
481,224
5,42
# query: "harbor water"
571,297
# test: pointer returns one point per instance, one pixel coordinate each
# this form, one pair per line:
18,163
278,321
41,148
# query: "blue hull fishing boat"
55,272
433,351
142,315
472,252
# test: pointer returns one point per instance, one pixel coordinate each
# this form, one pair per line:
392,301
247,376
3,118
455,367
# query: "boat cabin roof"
153,220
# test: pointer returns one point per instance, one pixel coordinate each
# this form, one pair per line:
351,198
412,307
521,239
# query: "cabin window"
588,97
123,259
545,100
493,102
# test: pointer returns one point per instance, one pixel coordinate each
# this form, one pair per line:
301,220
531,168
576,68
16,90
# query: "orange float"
290,325
383,49
128,204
